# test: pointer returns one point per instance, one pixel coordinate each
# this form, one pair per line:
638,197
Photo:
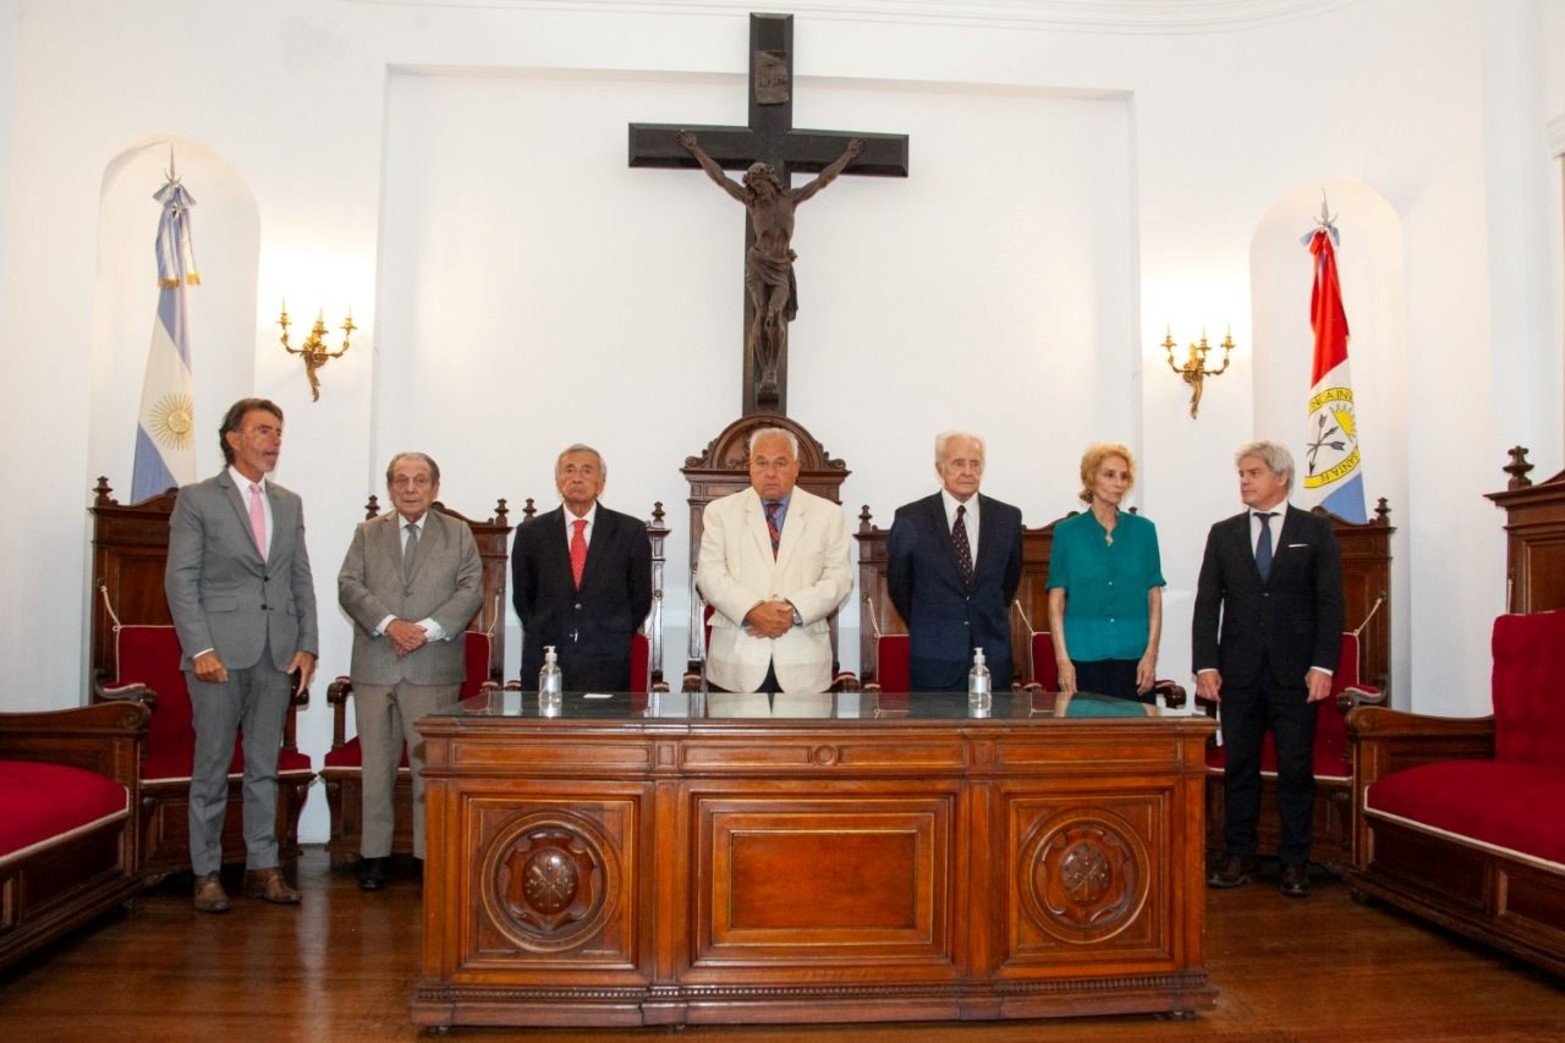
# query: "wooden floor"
343,966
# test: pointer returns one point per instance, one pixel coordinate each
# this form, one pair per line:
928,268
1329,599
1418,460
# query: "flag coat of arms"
1333,476
165,426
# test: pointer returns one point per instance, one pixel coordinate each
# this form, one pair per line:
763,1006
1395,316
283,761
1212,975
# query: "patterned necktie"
1263,546
964,550
772,507
408,550
578,550
258,519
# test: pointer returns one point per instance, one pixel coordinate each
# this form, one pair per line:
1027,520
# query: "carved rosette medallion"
1084,876
546,883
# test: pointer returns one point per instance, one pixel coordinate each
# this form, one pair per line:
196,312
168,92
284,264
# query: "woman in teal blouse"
1106,586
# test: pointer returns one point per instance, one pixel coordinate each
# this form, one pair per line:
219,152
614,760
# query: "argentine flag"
165,428
1333,475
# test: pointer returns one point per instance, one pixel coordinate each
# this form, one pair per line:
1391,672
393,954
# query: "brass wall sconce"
314,350
1194,372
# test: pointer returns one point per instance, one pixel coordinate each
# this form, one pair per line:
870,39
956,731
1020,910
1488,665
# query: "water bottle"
978,696
551,684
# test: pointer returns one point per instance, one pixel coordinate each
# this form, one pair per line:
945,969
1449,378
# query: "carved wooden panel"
1535,538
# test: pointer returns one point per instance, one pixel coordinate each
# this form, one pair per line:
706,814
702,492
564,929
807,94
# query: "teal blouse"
1105,584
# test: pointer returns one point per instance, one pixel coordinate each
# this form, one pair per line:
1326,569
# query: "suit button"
266,608
577,606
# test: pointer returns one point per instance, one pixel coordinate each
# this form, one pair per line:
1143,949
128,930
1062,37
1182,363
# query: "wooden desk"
851,857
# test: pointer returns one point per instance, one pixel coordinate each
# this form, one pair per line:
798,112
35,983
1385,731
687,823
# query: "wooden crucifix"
770,151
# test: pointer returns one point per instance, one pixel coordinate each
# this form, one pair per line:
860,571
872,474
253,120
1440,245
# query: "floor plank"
343,966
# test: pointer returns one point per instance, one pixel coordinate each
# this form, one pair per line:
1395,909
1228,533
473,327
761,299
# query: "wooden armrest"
871,687
1386,740
1360,695
1174,695
846,681
134,693
660,686
104,737
691,682
339,691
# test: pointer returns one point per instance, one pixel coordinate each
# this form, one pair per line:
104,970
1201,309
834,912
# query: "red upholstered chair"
1332,764
69,807
343,766
147,671
1044,672
1462,821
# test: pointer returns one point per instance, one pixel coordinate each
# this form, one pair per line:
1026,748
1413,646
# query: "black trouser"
1247,713
1115,677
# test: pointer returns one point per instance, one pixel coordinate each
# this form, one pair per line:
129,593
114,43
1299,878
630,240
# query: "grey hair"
780,432
1274,455
943,439
578,447
434,468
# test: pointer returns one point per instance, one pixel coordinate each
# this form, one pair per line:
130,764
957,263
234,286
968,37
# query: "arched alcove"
225,234
1370,270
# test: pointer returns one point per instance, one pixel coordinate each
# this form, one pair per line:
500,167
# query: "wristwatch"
798,620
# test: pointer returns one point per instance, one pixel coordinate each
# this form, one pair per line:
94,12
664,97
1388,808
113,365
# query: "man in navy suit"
954,563
581,580
1274,575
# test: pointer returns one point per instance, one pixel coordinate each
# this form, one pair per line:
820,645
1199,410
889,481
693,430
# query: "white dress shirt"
591,517
970,519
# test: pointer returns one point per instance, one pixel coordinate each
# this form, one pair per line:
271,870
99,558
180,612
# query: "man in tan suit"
773,565
411,581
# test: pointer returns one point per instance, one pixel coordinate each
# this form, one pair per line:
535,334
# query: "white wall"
1196,132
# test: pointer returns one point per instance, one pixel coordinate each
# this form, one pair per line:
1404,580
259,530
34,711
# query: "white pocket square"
1293,545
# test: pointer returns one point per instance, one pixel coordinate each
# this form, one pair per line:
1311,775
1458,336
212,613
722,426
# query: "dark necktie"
772,507
964,549
408,550
1263,546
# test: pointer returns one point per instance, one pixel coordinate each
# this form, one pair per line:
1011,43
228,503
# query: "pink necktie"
258,519
578,550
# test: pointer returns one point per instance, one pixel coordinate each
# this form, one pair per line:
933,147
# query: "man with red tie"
581,580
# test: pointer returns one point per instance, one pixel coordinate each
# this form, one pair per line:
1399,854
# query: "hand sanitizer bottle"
978,697
551,684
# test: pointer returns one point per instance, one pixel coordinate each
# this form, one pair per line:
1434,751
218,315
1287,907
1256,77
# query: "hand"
770,619
1065,670
1209,686
304,663
405,637
210,668
1318,682
1146,673
685,140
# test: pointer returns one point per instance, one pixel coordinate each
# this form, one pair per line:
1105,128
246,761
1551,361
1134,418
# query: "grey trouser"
254,702
385,716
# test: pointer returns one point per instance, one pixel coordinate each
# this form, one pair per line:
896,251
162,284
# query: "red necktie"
578,550
772,507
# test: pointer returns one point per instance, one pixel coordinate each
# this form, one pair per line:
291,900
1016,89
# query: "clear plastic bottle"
551,684
979,699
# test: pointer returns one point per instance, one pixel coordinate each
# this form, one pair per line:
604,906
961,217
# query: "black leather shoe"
1295,880
372,874
1233,871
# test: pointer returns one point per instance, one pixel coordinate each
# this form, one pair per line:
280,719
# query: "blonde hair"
1093,459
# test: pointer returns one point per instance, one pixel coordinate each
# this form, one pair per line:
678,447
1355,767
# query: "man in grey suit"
411,581
239,589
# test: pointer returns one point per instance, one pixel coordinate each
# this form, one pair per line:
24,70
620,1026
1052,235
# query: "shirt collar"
952,503
403,523
590,517
244,483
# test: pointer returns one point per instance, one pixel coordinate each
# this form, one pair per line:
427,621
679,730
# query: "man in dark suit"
410,582
1274,575
581,580
954,562
243,602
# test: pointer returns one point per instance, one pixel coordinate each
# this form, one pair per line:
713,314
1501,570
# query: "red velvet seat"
1517,806
40,802
147,660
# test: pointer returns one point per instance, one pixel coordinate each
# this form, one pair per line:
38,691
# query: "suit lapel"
596,547
794,525
559,546
936,515
755,521
390,539
236,500
986,541
430,536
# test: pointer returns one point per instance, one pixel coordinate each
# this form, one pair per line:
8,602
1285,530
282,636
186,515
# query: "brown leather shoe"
269,886
1296,880
1233,871
210,896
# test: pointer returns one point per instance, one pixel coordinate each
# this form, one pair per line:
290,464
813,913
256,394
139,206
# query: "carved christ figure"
768,266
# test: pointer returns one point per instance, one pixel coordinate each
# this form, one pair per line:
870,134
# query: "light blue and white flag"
1334,473
165,429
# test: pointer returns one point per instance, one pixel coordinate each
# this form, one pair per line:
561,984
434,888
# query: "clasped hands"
769,618
405,637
